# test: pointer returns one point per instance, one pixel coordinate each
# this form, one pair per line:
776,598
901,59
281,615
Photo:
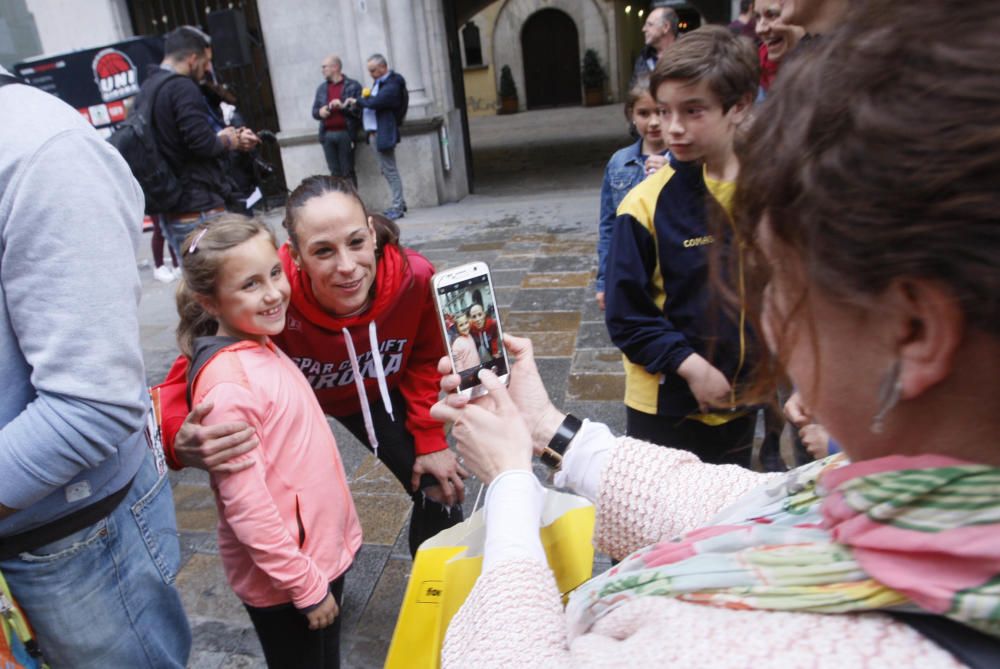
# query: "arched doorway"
551,50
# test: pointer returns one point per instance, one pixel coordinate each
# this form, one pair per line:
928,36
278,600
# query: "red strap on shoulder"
170,405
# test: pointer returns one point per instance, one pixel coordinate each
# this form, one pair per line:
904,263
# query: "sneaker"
178,272
164,274
393,214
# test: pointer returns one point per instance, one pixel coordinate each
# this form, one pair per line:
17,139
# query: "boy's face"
693,122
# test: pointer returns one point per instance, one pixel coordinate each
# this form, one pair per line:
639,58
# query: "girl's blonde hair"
202,265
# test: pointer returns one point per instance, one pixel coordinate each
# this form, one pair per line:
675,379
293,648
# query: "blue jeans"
104,596
175,232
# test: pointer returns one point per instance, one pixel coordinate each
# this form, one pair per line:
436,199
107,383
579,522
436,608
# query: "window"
473,47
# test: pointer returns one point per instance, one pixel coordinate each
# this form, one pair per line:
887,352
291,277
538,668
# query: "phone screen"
472,326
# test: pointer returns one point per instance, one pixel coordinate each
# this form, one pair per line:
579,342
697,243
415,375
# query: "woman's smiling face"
336,249
778,36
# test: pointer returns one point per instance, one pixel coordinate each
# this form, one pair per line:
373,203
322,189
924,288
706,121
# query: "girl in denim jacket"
629,166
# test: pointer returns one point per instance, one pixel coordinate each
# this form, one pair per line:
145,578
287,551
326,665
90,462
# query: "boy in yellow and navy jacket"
683,354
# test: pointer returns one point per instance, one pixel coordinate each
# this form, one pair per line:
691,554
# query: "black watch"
553,454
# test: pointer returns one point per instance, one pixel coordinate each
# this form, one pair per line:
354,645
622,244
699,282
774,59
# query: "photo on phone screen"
472,328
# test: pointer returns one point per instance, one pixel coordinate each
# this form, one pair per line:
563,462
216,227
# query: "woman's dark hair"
201,272
386,231
877,157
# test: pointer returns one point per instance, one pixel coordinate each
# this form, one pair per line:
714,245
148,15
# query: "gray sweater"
73,400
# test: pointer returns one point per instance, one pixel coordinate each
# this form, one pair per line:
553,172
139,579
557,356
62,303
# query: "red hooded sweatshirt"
408,336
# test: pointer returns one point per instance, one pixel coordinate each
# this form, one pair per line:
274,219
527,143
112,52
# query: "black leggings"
729,443
288,642
395,450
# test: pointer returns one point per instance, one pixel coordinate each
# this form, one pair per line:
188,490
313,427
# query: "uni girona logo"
115,74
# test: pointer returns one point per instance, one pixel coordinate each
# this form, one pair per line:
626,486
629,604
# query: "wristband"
553,453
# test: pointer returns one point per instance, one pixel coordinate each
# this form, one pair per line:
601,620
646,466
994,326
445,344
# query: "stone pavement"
534,220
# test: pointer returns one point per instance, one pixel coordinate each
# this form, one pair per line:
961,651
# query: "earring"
888,397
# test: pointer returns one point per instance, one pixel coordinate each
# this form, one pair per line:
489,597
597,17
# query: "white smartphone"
470,323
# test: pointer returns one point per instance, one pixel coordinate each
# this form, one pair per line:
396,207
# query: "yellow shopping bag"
446,568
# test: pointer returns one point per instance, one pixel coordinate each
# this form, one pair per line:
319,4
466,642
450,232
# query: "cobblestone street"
534,220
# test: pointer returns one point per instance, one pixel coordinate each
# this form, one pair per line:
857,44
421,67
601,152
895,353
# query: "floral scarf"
904,533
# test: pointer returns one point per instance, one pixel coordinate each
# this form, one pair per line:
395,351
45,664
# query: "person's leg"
344,158
161,273
395,450
770,450
387,163
104,596
287,641
662,430
330,153
350,161
175,233
157,244
730,443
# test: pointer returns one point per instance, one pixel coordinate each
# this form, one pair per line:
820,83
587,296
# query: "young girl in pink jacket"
287,526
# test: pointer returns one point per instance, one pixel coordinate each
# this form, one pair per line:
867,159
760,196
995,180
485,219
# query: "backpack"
171,400
404,101
134,139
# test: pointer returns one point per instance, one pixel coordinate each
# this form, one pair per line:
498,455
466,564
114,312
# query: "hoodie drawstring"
383,388
359,382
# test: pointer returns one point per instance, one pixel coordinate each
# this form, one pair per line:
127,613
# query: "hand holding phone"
470,324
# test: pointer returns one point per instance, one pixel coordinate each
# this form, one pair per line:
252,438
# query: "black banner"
100,83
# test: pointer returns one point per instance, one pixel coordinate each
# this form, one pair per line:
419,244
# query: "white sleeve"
585,459
513,518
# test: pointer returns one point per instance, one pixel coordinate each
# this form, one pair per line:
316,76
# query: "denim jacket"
626,168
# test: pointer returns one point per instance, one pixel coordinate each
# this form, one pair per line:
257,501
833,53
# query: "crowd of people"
826,234
851,218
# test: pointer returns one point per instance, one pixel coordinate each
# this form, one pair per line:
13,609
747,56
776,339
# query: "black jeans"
395,450
730,443
339,152
288,642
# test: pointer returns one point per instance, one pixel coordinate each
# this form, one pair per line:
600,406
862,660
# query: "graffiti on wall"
476,104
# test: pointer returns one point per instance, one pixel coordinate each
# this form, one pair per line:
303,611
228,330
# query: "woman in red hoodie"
355,291
777,40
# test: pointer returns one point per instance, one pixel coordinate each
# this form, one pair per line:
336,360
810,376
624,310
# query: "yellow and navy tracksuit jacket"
659,310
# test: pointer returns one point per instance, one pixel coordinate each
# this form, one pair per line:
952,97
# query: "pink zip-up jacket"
287,525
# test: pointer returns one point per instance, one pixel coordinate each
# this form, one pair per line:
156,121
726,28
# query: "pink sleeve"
512,616
651,492
251,512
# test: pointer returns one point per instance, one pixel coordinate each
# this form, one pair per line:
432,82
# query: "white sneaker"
163,274
178,272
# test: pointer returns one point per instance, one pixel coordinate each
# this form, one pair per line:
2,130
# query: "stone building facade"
297,36
504,29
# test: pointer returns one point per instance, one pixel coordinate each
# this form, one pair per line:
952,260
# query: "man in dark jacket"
185,137
659,31
338,124
381,114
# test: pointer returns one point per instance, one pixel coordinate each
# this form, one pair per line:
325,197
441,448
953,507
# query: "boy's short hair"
728,63
183,41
